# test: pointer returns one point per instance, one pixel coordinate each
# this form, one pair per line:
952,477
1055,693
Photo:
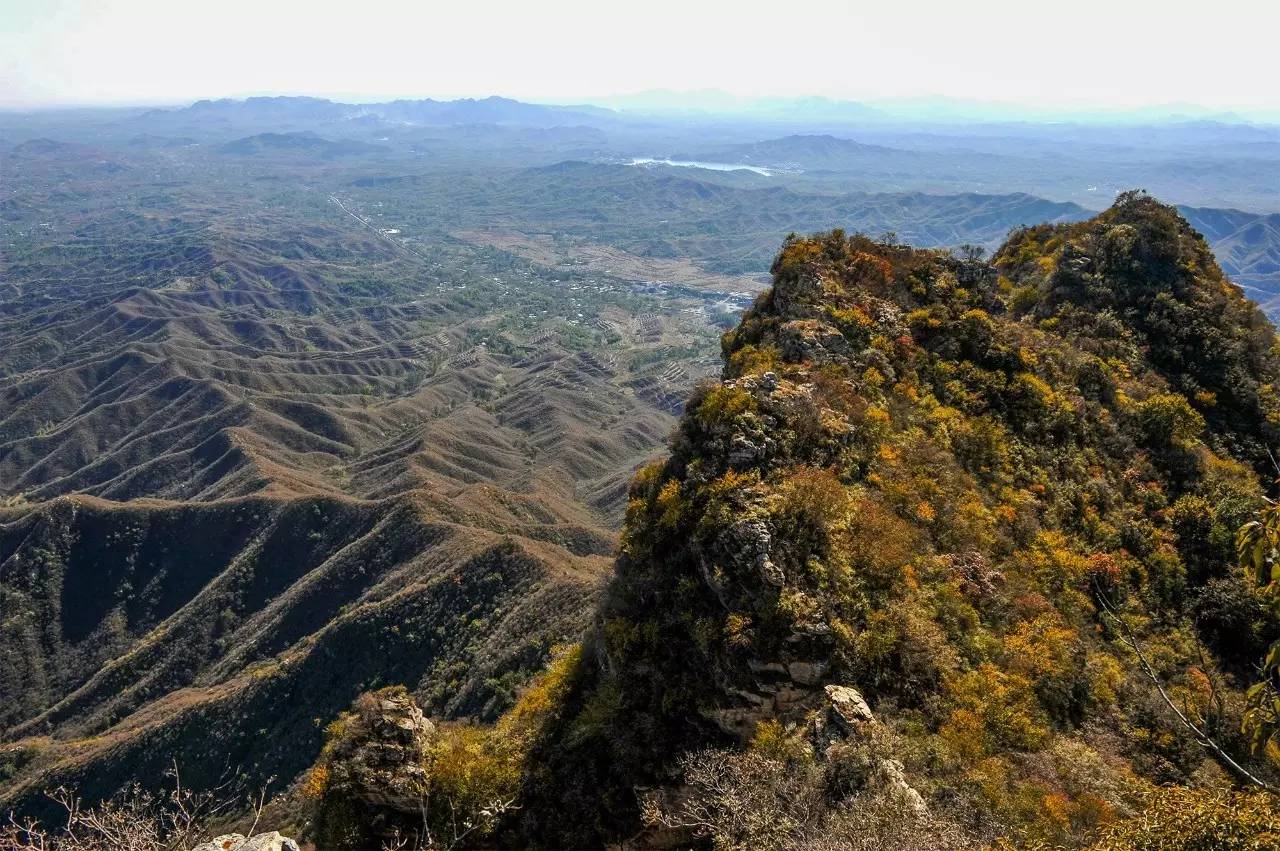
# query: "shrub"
1234,623
1167,419
175,819
996,710
754,360
746,801
722,405
1198,820
807,503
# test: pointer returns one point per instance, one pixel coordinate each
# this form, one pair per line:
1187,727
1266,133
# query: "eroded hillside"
217,634
257,456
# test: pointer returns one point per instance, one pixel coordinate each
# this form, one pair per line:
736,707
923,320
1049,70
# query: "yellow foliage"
1105,677
723,404
1041,648
1054,563
876,419
875,543
965,735
470,770
753,360
1034,388
1169,418
669,505
315,782
814,494
1207,820
737,629
544,697
1206,399
1006,704
772,742
853,316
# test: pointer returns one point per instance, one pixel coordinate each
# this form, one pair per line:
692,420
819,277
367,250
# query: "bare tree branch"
1202,738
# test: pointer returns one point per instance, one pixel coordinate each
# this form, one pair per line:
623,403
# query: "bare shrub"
746,800
743,801
133,820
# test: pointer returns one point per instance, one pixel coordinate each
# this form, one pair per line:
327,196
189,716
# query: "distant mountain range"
812,151
812,111
283,110
928,108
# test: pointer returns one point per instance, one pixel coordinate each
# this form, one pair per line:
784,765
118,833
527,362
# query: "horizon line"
912,108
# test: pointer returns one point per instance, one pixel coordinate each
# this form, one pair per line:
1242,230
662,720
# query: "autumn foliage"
970,490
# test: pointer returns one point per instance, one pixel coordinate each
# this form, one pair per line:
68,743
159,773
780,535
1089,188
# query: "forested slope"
907,565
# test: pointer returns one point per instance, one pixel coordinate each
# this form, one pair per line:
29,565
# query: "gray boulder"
225,842
272,841
848,708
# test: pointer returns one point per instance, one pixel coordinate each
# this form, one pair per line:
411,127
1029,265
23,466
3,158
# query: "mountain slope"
1248,247
957,491
214,634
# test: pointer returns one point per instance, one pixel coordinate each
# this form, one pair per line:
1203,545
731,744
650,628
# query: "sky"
1081,54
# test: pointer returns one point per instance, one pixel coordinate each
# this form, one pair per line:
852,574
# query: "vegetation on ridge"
975,493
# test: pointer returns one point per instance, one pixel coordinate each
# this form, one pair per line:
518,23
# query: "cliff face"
954,494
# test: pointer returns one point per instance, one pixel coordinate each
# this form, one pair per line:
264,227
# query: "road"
400,245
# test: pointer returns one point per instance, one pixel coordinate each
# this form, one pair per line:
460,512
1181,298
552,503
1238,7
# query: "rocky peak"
907,491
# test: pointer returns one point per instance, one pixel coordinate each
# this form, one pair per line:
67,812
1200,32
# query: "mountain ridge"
895,545
239,606
425,111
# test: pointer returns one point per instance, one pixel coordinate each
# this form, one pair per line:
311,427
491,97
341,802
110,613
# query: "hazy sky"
1087,53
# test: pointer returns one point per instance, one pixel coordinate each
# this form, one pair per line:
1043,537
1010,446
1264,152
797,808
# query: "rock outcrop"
847,718
272,841
379,760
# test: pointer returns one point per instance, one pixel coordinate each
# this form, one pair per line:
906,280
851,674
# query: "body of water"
767,172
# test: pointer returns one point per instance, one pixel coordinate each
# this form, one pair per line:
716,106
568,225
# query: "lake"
767,172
